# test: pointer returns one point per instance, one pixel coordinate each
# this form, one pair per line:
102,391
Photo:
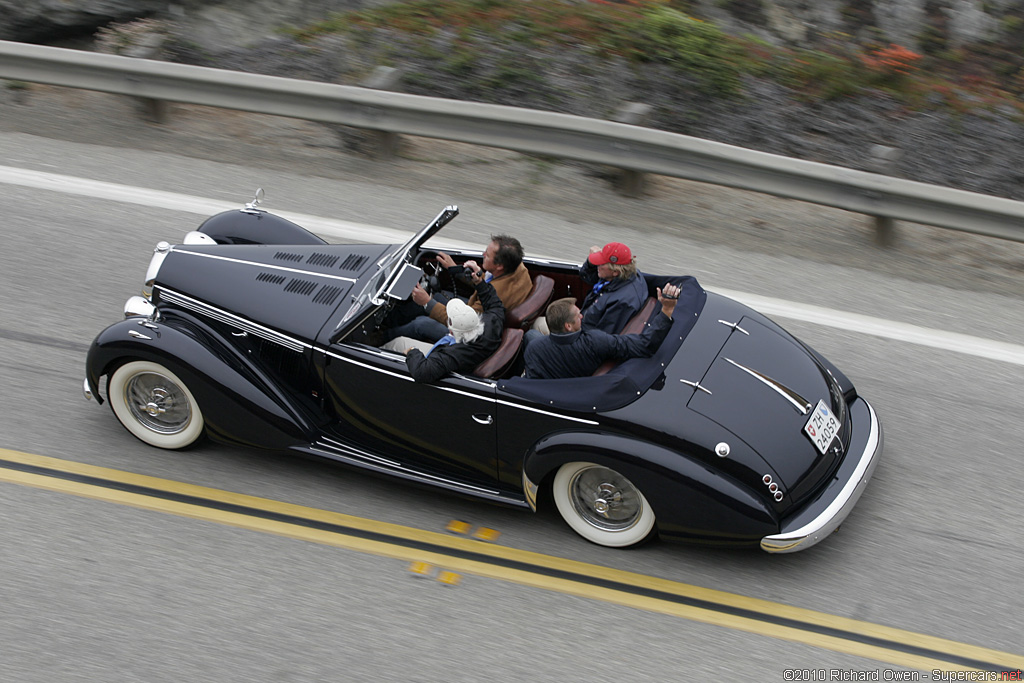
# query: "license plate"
822,426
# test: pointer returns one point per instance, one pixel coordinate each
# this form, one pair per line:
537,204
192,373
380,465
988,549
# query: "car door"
446,429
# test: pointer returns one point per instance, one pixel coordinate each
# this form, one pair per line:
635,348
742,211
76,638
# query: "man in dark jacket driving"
471,338
573,351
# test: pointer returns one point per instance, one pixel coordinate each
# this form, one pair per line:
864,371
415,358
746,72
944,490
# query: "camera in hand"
467,273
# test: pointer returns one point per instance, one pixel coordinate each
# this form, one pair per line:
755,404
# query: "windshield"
389,266
391,263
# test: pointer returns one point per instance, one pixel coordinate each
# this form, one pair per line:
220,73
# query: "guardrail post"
629,182
385,143
155,111
884,160
19,91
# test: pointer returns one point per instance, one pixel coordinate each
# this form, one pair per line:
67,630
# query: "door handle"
483,418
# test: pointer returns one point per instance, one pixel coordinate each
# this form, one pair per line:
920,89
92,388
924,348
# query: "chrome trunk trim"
795,399
735,326
696,385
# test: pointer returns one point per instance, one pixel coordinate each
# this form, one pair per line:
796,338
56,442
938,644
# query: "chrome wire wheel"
602,505
157,402
154,405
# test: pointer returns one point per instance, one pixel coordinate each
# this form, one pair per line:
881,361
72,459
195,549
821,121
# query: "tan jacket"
512,289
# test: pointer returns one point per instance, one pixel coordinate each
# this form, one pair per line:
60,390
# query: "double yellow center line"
874,641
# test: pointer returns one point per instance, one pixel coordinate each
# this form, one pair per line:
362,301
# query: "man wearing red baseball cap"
619,290
613,252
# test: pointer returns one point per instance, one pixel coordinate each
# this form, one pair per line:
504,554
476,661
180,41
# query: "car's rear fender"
240,405
690,500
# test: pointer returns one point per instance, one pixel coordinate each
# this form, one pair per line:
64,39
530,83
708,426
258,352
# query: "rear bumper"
828,511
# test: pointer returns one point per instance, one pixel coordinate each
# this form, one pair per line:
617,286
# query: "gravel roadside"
741,220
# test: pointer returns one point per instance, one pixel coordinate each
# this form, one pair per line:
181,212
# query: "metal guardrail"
523,130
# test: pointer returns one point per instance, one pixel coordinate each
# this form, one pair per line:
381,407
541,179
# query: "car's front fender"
239,402
691,501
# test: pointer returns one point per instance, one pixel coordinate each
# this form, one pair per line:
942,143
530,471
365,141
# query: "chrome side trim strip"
355,452
546,412
371,461
459,391
311,273
485,383
366,365
798,401
231,319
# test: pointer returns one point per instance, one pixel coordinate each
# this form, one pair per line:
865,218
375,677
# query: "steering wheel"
433,272
431,281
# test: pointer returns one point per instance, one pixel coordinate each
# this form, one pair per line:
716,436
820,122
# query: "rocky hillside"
959,138
964,133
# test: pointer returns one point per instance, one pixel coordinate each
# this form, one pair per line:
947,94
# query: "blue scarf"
443,341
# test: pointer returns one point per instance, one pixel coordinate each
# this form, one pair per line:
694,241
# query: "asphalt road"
98,590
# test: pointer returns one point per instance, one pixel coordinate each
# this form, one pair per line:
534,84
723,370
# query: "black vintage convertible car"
258,333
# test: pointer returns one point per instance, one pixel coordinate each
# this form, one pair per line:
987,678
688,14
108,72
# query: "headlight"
159,254
137,307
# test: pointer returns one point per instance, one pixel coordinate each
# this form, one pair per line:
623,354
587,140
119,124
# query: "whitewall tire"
154,405
601,505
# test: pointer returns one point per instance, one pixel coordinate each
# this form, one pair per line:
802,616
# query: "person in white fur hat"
471,338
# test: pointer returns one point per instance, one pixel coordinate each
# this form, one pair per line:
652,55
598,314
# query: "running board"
335,450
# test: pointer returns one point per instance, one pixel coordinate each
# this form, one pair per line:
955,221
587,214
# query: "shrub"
696,47
822,74
891,64
119,38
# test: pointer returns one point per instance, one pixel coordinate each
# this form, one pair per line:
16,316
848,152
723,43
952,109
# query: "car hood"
762,387
289,289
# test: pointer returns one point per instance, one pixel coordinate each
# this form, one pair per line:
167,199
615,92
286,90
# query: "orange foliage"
894,60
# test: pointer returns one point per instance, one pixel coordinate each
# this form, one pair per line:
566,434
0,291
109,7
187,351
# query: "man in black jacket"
571,351
471,338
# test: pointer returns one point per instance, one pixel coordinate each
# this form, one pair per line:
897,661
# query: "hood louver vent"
303,287
327,295
287,256
353,262
271,278
325,260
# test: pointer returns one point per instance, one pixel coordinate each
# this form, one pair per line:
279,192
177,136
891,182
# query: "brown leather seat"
516,321
523,315
634,326
501,360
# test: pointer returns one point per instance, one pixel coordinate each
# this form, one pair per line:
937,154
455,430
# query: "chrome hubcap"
157,403
605,499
